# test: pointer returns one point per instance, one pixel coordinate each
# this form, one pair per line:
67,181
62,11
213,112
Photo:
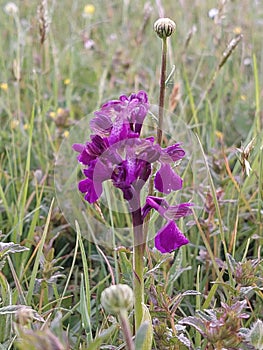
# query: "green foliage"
51,278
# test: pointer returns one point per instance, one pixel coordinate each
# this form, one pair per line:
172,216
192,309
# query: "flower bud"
164,27
255,336
116,298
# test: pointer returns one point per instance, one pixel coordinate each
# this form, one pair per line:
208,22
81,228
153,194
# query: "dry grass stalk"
43,20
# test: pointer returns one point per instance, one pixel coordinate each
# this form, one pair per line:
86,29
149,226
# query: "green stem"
138,254
17,67
160,118
162,91
126,329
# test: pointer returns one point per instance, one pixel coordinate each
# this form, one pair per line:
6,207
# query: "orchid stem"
162,91
138,255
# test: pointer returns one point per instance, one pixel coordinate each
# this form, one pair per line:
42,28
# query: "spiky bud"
116,298
164,27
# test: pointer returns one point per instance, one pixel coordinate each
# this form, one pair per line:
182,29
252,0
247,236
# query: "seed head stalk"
124,321
160,116
162,91
164,27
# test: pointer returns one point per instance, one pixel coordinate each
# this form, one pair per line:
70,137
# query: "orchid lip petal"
170,238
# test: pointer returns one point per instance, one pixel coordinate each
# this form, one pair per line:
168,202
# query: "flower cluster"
221,326
117,152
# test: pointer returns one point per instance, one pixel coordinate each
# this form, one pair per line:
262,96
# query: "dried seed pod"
164,27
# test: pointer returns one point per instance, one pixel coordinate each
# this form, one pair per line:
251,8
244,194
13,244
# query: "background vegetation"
58,64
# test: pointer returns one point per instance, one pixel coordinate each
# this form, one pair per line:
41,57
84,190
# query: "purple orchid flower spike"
118,153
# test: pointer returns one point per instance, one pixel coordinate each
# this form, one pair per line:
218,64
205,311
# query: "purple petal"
85,158
120,131
124,175
78,147
101,124
143,170
113,104
92,189
178,211
142,96
166,180
97,171
97,146
124,98
169,238
172,153
156,203
139,107
91,150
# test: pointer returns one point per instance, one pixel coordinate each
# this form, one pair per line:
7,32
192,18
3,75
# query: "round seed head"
164,27
116,298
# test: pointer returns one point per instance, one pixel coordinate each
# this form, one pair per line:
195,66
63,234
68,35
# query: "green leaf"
184,342
83,307
14,309
195,322
7,248
4,288
85,296
231,261
126,268
190,292
141,335
101,338
144,336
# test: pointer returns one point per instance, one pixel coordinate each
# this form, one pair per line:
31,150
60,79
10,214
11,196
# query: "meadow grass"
51,277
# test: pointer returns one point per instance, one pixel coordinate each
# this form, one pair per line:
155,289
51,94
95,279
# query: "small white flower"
247,61
11,8
212,13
